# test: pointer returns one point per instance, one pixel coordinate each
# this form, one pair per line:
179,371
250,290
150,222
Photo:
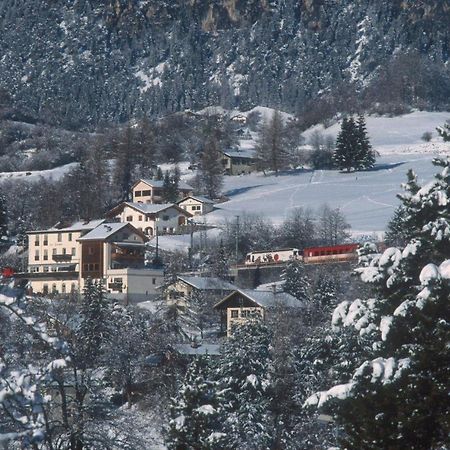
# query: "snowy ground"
401,134
366,198
55,174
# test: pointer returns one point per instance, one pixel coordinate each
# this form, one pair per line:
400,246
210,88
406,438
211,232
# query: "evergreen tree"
170,187
444,132
396,232
243,370
220,264
94,326
296,282
3,220
196,411
353,150
398,395
365,155
211,170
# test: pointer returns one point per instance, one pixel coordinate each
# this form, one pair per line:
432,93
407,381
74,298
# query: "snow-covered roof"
202,349
160,184
82,225
148,208
196,197
240,153
103,231
207,283
266,299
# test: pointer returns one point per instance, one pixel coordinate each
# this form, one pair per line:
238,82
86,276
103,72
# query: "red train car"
7,272
332,253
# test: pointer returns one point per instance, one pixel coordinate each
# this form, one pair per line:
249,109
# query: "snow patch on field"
55,174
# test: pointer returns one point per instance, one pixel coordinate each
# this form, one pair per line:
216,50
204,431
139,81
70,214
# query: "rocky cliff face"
82,62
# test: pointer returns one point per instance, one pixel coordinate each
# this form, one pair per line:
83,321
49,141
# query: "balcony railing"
62,258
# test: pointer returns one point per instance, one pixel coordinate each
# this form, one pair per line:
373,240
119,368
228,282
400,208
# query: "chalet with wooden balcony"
151,191
246,304
62,258
151,219
115,253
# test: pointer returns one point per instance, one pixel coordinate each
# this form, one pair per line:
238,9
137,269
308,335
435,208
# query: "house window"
63,288
90,250
59,237
234,313
45,289
64,251
46,268
129,218
137,193
36,240
73,251
245,313
153,280
54,251
45,255
54,290
146,193
45,239
165,217
36,255
70,236
140,218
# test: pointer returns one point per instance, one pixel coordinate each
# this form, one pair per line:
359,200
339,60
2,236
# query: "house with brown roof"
151,191
237,162
242,305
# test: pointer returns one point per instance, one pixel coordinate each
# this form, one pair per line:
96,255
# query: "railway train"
310,255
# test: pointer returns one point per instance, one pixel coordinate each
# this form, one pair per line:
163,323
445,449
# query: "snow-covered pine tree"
398,396
346,152
325,291
243,370
220,264
196,412
3,220
94,326
365,158
444,132
296,281
396,231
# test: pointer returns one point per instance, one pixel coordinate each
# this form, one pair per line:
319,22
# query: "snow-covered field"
366,198
55,174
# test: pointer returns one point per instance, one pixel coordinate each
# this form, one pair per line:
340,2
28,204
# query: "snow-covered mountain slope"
110,60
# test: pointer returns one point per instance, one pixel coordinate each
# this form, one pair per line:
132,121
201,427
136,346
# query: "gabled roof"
106,230
196,197
82,225
147,208
240,153
160,183
202,349
265,299
207,283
